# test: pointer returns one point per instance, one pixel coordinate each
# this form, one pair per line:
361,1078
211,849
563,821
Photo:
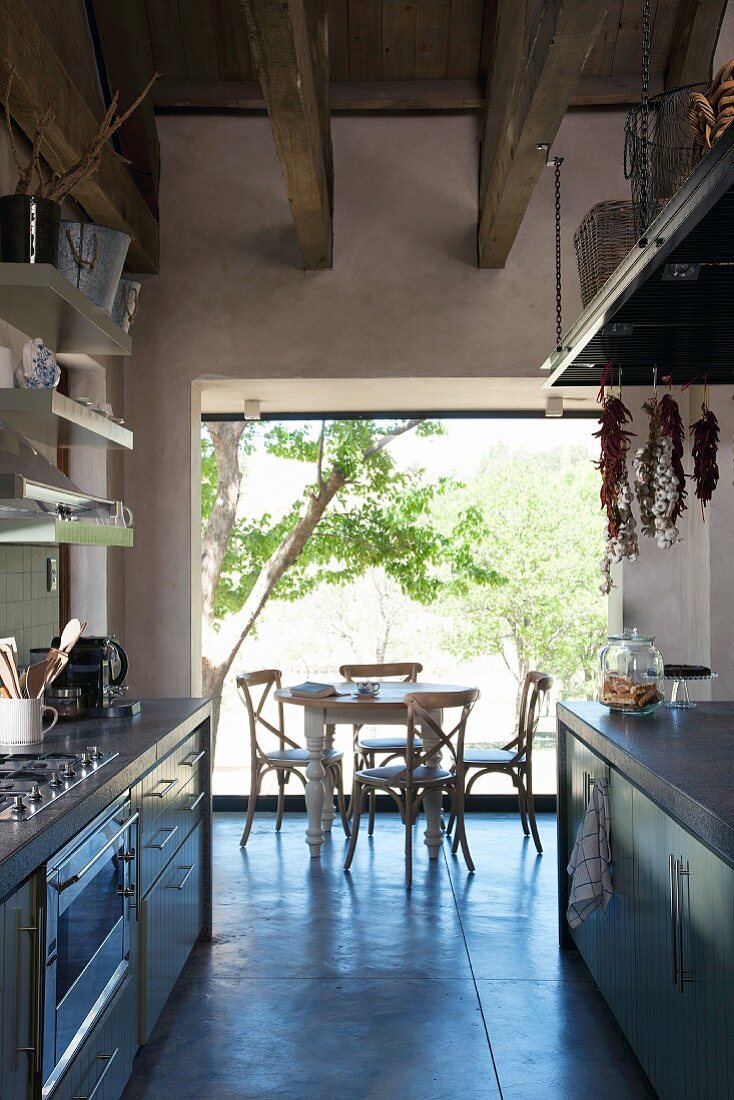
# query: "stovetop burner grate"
52,773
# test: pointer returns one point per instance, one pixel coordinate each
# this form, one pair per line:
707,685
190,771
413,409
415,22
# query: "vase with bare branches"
30,218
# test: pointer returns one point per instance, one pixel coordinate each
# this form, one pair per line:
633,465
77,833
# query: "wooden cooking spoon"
70,635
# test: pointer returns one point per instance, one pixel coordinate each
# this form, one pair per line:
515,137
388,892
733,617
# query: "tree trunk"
221,646
225,439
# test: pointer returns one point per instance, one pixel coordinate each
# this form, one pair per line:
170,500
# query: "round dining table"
348,708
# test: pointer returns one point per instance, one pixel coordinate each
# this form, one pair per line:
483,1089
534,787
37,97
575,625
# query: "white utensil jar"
22,721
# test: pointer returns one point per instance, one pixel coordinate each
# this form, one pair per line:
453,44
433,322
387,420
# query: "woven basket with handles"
603,239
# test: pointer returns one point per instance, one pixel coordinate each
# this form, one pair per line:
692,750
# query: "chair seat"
387,744
488,757
423,776
299,756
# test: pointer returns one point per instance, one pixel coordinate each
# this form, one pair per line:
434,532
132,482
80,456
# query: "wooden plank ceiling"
430,55
391,40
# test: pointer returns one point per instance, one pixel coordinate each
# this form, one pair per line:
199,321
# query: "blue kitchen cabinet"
103,1065
663,954
21,992
171,921
606,939
685,959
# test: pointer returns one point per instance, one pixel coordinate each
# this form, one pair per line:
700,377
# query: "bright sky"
461,449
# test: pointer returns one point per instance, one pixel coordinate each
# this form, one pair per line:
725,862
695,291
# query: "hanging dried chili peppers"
616,495
612,464
705,435
671,425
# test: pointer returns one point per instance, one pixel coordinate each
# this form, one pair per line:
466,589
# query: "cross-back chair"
289,758
514,759
365,749
409,782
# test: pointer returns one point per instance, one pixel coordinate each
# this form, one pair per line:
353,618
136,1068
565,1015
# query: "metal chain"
645,97
557,162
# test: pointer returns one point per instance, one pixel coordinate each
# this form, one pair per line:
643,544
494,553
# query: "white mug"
21,721
7,378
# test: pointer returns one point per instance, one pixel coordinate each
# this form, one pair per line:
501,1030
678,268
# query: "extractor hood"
40,504
670,303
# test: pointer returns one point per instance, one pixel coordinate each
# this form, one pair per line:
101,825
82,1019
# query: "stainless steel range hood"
40,504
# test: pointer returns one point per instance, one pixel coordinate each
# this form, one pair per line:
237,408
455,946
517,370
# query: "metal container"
125,305
92,258
631,673
29,230
68,702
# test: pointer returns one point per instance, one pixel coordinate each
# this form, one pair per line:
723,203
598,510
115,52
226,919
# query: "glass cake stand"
679,697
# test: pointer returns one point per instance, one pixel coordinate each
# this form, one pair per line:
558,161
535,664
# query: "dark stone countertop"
140,741
682,759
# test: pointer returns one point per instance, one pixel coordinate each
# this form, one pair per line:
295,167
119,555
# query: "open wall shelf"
47,417
40,301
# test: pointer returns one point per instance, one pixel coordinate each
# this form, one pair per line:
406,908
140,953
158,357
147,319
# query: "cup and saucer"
368,689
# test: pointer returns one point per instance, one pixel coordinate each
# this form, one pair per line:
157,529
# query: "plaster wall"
404,298
684,595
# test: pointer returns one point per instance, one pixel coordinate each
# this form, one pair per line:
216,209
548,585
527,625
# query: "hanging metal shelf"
671,301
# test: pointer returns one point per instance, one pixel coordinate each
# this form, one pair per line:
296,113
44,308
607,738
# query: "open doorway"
471,545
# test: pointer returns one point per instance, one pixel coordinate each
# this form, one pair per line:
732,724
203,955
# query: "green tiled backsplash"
27,610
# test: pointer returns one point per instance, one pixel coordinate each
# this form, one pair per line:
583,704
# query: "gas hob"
31,781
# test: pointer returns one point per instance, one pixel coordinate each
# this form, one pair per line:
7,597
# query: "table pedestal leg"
432,801
314,728
327,816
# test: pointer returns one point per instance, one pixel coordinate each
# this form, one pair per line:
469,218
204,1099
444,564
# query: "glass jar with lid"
631,673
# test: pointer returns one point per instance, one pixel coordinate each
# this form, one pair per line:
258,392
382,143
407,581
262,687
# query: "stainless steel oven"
91,900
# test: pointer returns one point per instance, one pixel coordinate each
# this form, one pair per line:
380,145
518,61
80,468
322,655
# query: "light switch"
52,577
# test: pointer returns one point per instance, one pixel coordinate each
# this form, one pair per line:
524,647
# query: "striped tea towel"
589,864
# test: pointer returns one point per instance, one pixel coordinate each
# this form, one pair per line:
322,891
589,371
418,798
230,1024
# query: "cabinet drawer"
171,920
103,1065
162,786
170,830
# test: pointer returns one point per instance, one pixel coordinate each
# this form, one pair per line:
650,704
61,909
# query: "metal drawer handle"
193,805
673,884
61,886
161,846
192,763
184,880
169,785
35,1049
683,974
109,1059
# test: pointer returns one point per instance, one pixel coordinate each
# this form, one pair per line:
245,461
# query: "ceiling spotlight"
554,406
681,273
252,410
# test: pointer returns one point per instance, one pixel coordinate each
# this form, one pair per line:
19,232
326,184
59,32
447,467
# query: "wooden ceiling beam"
110,197
289,45
124,40
535,73
697,27
384,95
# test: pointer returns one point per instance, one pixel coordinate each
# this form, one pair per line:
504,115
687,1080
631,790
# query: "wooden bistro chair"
365,749
516,757
407,783
288,758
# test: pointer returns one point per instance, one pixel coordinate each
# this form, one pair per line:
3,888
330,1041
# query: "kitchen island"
105,885
663,953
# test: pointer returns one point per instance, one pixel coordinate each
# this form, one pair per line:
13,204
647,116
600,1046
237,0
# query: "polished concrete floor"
325,985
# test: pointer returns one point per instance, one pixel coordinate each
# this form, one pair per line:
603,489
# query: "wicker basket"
605,236
673,151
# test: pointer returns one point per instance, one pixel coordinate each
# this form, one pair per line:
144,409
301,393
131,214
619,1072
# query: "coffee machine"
98,666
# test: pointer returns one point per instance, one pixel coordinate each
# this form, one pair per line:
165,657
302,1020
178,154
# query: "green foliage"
382,517
543,535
